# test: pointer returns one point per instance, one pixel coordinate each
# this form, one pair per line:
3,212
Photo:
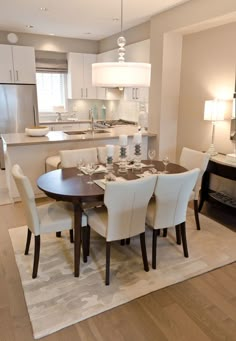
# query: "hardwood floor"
202,308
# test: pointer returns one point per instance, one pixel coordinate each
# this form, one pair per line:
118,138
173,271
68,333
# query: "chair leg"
184,239
196,214
127,241
122,242
108,256
154,248
58,234
85,242
29,233
144,251
36,256
165,232
178,234
71,236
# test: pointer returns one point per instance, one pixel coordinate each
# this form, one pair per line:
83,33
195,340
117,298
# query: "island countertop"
15,139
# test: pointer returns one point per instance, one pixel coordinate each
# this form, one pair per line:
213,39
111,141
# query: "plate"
37,131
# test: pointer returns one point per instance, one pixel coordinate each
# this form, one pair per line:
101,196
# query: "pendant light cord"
121,16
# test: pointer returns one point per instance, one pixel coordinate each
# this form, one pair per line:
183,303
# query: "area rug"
56,299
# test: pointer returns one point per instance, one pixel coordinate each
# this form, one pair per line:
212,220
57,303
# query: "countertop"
15,139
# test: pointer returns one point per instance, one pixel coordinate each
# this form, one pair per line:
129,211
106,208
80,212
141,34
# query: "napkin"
102,183
100,169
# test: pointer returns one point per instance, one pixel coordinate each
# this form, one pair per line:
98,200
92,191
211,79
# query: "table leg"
77,241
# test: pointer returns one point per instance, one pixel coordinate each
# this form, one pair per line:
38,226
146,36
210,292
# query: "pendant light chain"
121,41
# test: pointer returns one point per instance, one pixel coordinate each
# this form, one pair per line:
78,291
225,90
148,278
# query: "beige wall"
164,109
208,71
51,43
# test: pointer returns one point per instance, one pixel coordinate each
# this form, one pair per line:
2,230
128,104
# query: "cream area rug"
55,299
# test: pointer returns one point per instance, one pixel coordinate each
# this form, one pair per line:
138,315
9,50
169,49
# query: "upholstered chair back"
191,159
28,199
69,158
172,194
127,203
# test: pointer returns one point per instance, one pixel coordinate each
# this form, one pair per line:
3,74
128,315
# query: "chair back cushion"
102,154
69,158
172,194
28,199
191,159
127,203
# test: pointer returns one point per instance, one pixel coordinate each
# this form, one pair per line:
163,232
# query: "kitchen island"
31,152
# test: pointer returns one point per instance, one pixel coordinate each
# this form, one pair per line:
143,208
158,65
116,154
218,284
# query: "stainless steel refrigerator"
18,110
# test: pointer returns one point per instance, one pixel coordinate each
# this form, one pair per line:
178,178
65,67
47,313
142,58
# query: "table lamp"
214,111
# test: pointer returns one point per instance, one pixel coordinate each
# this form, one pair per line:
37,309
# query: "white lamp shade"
121,74
214,110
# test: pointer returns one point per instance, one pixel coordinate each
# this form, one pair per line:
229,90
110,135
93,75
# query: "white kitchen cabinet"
17,64
80,76
136,94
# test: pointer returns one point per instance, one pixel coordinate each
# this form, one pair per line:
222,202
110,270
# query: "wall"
208,71
163,109
52,43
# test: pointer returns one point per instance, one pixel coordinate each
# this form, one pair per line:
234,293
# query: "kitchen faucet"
92,119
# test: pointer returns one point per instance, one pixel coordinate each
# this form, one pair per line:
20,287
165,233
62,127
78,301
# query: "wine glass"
80,163
90,168
151,154
165,161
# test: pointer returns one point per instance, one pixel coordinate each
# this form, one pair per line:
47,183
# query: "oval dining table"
66,185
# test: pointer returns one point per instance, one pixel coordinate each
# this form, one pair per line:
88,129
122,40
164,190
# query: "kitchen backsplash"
79,109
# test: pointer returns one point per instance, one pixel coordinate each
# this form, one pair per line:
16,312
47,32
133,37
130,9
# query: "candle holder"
123,160
137,157
109,164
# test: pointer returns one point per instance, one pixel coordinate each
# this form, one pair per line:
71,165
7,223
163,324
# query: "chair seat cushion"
98,220
57,216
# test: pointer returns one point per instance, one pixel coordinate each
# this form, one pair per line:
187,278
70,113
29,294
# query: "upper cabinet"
17,64
80,76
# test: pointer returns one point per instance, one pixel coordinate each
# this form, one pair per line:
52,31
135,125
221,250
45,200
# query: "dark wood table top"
64,184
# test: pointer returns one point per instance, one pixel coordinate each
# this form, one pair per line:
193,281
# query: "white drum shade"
121,74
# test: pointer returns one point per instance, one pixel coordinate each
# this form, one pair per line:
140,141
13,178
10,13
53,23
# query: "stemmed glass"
165,161
90,168
151,155
79,165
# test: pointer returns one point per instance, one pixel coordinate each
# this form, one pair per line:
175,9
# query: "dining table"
66,185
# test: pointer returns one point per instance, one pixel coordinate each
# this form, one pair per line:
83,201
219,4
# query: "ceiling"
84,19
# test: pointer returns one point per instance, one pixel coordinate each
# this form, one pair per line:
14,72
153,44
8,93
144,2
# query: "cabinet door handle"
86,92
136,93
82,92
133,95
17,75
10,75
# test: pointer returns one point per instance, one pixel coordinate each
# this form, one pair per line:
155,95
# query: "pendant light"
121,74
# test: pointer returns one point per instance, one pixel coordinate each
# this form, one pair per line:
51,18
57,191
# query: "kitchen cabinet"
80,76
17,64
136,94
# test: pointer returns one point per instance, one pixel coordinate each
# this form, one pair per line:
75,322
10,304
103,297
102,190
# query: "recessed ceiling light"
52,34
87,33
115,19
29,26
43,9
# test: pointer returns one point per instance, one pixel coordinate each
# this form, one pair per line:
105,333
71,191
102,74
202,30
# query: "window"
51,89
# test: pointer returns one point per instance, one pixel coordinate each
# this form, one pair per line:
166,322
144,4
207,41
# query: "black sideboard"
220,166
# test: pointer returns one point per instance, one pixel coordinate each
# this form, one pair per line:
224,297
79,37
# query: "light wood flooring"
202,308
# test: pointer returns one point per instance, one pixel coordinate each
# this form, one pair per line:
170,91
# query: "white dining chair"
169,207
69,158
102,154
52,163
124,215
46,218
191,159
